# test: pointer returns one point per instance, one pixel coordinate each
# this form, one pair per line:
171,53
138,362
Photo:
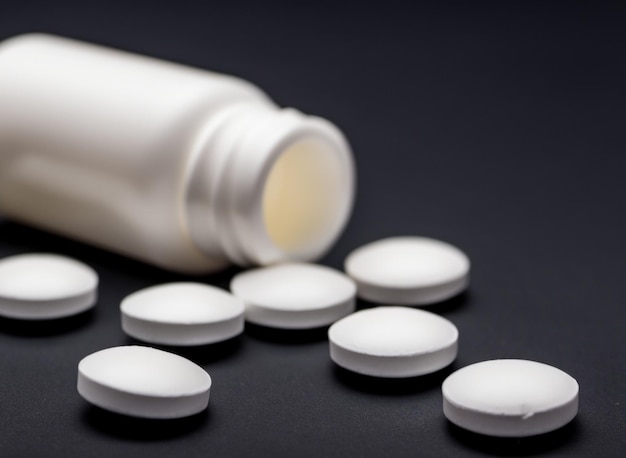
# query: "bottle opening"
282,188
306,198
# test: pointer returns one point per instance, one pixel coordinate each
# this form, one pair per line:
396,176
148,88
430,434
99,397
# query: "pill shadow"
515,446
459,301
462,300
46,328
199,354
390,386
287,336
142,429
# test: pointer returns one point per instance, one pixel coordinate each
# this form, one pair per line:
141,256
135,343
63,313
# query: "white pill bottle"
179,167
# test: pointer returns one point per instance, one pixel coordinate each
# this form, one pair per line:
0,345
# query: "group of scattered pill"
501,397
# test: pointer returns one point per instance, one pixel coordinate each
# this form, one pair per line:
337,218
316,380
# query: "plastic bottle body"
129,153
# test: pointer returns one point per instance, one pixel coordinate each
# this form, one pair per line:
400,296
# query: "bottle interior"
305,198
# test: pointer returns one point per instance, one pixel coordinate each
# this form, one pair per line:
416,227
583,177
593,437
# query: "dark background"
498,127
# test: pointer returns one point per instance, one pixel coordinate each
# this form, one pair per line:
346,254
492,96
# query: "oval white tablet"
393,342
510,398
45,286
182,314
143,382
295,295
408,271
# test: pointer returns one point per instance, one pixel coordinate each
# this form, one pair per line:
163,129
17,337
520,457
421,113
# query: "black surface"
497,127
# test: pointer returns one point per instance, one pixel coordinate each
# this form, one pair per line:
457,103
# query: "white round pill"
510,398
295,295
182,314
408,271
393,342
143,382
45,286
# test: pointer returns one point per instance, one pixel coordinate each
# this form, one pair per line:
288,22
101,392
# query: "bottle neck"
269,185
